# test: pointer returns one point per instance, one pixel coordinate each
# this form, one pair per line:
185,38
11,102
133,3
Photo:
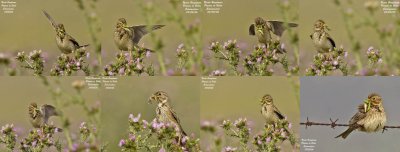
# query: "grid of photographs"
199,75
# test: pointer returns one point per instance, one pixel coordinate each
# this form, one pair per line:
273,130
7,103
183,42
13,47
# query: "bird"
269,110
165,113
262,30
127,37
39,116
66,43
323,42
367,120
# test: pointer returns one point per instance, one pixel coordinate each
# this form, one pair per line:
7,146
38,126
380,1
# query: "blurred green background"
239,97
28,29
233,21
312,10
18,92
131,97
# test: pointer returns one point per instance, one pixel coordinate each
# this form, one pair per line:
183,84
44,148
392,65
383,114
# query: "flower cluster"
374,56
141,133
66,65
269,139
41,138
239,129
128,64
258,62
272,135
324,63
261,58
8,136
228,52
34,61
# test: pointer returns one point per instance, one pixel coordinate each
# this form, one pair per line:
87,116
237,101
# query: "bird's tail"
345,133
148,50
82,46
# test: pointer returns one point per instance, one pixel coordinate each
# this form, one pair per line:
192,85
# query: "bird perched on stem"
40,116
263,29
269,111
66,43
369,118
165,113
321,39
127,37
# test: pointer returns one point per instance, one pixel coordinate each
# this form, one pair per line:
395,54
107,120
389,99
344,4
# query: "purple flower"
133,118
121,143
148,54
268,140
230,149
132,137
162,150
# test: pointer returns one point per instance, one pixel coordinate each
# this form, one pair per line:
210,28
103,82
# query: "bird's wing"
331,41
71,39
141,30
175,118
278,27
48,111
354,121
53,23
252,30
279,114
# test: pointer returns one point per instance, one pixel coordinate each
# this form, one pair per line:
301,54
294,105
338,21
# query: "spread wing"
252,30
141,30
53,23
48,111
278,27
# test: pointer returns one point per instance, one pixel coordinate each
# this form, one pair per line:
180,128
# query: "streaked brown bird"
262,29
323,42
39,116
368,120
165,113
127,37
269,110
66,43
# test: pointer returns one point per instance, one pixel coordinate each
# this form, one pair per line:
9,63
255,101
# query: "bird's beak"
151,99
259,30
125,27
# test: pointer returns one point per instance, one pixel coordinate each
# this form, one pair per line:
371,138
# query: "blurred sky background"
239,97
131,97
337,98
19,92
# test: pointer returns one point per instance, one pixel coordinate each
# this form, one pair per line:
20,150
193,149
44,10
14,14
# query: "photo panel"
354,37
367,104
152,113
249,114
257,38
49,38
49,114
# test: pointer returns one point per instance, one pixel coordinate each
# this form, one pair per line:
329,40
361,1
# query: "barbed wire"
333,124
